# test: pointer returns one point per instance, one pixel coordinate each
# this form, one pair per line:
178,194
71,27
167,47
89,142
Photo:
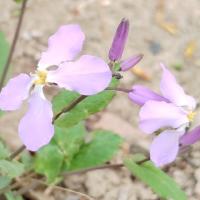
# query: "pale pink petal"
165,147
35,128
87,76
64,45
16,90
155,115
191,102
191,137
172,91
140,95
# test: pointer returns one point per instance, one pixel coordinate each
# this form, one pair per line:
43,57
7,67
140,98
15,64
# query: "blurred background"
162,30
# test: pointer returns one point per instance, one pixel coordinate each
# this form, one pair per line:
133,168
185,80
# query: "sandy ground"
165,31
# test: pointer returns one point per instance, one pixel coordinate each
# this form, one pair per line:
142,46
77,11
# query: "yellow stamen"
191,116
41,77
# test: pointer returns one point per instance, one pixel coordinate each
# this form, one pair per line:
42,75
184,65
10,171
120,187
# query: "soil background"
166,31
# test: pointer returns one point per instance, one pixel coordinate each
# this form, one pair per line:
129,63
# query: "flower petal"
155,115
119,41
172,91
16,90
191,137
64,45
140,95
87,76
130,62
35,128
164,148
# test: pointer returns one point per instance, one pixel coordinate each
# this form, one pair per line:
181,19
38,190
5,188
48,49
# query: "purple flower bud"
131,62
191,137
140,95
119,40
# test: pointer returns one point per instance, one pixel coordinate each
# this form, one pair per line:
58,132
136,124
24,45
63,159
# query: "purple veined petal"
64,45
130,62
191,137
35,128
87,76
119,41
16,90
155,115
140,95
173,91
165,147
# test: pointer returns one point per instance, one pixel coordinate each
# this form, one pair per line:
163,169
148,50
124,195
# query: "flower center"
41,77
191,116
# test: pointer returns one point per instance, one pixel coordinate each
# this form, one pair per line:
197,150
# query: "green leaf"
101,149
63,99
155,178
11,168
49,161
4,181
1,113
12,196
27,160
4,153
18,1
84,109
70,140
4,50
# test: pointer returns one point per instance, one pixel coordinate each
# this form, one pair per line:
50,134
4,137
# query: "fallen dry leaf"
169,27
160,19
190,49
141,73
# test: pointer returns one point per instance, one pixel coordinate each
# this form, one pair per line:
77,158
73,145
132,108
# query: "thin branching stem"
65,174
36,183
106,166
143,161
77,172
69,107
56,116
17,152
14,42
119,89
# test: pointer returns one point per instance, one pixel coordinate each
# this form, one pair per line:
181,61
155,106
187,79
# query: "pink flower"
172,111
87,76
118,45
130,62
119,41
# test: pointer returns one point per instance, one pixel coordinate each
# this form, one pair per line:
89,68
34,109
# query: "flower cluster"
168,114
87,76
118,46
172,111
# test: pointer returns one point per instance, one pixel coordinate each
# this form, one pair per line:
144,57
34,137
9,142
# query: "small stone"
72,197
74,182
101,181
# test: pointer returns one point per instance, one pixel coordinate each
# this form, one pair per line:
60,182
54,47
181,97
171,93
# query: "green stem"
119,89
17,152
14,42
106,166
56,116
69,107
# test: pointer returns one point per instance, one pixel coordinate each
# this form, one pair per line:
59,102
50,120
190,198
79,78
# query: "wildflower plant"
172,111
55,130
87,76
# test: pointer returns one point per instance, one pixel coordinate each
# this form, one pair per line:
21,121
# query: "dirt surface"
166,31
